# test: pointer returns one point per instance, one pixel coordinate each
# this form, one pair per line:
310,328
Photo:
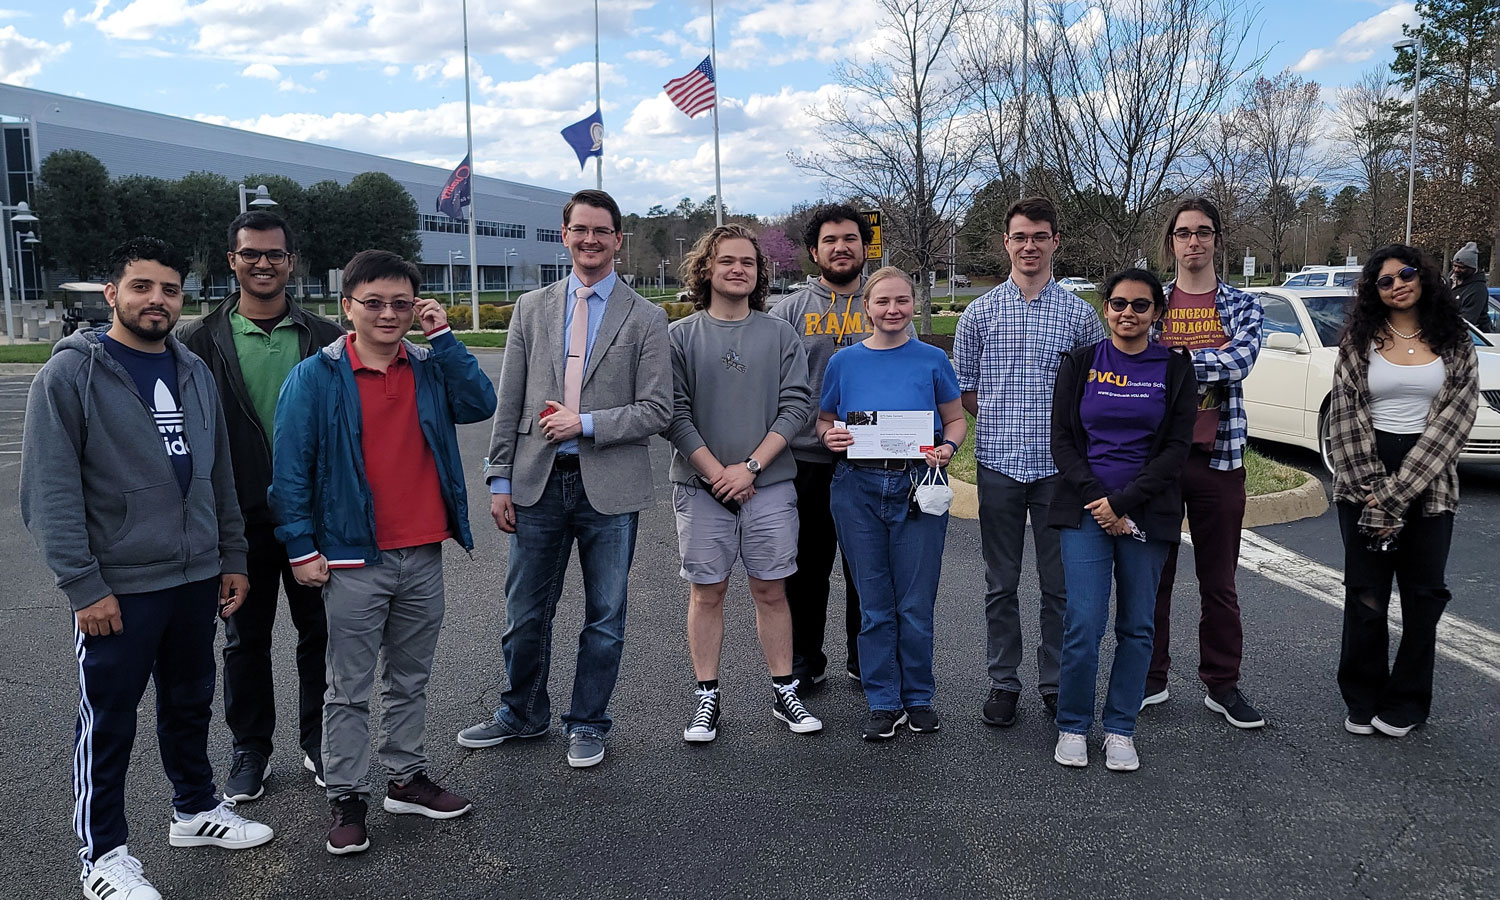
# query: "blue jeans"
1089,558
539,551
896,562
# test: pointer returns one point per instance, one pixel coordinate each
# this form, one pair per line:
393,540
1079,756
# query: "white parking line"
1458,639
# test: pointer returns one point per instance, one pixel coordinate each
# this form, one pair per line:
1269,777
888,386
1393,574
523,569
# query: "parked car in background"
1493,331
1324,276
1286,394
960,281
1076,285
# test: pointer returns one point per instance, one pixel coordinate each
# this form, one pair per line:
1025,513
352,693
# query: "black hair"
834,212
374,265
1037,209
149,248
1437,307
593,198
1158,293
260,220
1191,204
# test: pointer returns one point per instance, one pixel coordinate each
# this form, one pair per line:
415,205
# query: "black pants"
249,704
169,638
1400,694
807,588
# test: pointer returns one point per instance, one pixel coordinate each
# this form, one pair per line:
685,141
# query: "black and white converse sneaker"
790,710
705,724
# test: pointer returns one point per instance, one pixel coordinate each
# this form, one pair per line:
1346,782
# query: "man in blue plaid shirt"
1006,352
1220,328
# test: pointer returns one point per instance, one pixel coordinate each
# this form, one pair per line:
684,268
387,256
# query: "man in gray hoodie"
828,313
127,487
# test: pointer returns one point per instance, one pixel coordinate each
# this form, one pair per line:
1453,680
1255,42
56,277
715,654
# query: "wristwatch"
951,444
753,465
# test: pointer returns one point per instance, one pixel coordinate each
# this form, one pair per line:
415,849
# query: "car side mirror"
1285,340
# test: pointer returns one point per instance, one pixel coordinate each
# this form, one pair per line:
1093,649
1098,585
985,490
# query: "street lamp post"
455,256
679,248
508,254
262,197
28,238
627,235
21,212
1416,94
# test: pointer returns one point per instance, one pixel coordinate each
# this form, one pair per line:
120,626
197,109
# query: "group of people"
264,448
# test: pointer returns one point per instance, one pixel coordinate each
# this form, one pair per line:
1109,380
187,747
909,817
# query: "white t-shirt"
1401,396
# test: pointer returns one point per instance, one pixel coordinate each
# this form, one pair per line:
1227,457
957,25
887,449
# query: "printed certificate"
890,434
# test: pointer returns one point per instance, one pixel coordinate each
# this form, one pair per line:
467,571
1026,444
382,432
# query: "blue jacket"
319,495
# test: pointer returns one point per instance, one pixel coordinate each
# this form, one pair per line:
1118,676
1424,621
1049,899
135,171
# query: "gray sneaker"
1072,749
492,733
585,748
1119,753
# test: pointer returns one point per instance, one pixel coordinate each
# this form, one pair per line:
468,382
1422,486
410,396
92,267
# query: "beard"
146,329
849,275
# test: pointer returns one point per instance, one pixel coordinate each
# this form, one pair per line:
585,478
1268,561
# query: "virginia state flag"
586,137
455,194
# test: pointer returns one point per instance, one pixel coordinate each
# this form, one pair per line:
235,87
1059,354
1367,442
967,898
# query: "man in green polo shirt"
251,341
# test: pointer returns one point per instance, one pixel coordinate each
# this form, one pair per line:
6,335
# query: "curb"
20,368
1306,501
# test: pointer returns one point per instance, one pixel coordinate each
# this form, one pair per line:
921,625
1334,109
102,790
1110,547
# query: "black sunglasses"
1118,304
1407,276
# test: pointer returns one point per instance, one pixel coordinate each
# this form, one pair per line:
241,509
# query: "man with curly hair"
740,395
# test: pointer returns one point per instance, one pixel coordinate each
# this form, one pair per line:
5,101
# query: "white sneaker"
1119,753
1072,749
1153,699
219,827
117,876
312,767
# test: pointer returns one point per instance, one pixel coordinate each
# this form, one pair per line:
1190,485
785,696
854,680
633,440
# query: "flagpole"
714,55
598,102
473,189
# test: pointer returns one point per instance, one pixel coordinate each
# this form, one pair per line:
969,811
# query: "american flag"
693,93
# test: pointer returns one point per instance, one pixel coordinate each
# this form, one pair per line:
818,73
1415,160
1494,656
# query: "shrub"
491,317
677,309
458,317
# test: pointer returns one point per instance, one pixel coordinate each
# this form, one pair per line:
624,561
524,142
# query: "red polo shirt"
399,466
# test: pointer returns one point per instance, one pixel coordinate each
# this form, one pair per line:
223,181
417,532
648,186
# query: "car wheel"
1323,440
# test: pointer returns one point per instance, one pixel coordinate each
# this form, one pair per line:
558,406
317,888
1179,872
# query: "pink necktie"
578,346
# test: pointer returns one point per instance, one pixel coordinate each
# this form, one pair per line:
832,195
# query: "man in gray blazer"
586,382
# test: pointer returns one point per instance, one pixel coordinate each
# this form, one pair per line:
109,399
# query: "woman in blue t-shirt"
1122,423
894,549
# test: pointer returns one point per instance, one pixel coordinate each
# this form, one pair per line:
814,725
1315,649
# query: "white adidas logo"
168,420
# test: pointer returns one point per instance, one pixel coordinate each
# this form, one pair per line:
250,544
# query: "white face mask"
934,496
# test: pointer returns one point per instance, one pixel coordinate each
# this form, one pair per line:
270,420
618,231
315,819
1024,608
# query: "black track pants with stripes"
168,637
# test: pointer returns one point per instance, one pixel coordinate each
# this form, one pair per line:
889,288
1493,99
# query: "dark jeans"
807,588
168,638
1215,504
1400,693
1004,504
249,704
539,552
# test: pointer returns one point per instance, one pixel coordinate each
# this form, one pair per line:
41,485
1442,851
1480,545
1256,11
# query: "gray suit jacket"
627,386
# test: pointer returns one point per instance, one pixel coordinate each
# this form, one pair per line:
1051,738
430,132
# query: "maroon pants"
1215,503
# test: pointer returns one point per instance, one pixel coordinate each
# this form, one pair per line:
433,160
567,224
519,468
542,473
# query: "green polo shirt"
265,362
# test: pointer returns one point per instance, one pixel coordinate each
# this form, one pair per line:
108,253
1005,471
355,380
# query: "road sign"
1249,266
1351,260
876,249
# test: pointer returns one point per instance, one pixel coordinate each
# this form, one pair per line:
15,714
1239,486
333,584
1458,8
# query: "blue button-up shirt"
596,302
1007,350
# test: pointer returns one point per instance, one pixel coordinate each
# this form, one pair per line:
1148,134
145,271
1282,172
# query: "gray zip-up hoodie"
98,492
827,322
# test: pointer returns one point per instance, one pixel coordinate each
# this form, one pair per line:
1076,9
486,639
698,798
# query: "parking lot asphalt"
1299,809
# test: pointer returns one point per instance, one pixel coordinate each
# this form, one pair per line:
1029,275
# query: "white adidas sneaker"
219,827
117,876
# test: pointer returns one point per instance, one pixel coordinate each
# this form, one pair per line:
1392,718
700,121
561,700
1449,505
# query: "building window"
482,228
549,236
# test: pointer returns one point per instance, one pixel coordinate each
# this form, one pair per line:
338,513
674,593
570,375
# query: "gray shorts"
710,537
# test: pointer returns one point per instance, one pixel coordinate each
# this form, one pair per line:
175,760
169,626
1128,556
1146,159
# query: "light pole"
508,254
262,197
627,249
679,248
28,238
454,256
1416,94
21,212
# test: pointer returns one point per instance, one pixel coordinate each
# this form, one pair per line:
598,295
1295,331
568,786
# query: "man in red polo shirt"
365,439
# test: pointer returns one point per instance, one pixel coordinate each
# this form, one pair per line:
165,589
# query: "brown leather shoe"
347,834
423,797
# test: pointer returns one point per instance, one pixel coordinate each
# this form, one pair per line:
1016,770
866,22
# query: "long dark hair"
1437,308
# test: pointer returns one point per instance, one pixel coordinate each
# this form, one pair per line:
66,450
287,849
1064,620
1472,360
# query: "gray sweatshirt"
733,382
98,492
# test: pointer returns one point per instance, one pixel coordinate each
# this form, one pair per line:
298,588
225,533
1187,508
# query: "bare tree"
1127,86
900,132
1281,118
1224,154
1367,129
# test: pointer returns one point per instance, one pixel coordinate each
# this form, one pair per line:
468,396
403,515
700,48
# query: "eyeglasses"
1118,304
579,231
251,257
1202,234
379,306
1386,282
1023,239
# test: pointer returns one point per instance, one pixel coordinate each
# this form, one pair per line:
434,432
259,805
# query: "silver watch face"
752,465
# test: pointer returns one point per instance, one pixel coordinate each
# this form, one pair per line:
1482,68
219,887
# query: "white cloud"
288,85
649,57
391,71
22,57
261,70
1364,40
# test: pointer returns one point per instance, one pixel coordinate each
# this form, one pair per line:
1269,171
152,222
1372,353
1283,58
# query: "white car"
1076,285
1324,276
1286,394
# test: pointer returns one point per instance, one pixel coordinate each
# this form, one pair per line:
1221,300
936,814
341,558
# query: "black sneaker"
882,724
1050,701
347,834
1234,706
705,724
923,719
1000,707
1393,724
247,776
851,671
789,709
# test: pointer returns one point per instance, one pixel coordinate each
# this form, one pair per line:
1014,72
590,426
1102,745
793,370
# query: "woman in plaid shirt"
1405,393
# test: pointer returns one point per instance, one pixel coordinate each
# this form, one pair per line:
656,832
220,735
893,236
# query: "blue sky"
385,76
